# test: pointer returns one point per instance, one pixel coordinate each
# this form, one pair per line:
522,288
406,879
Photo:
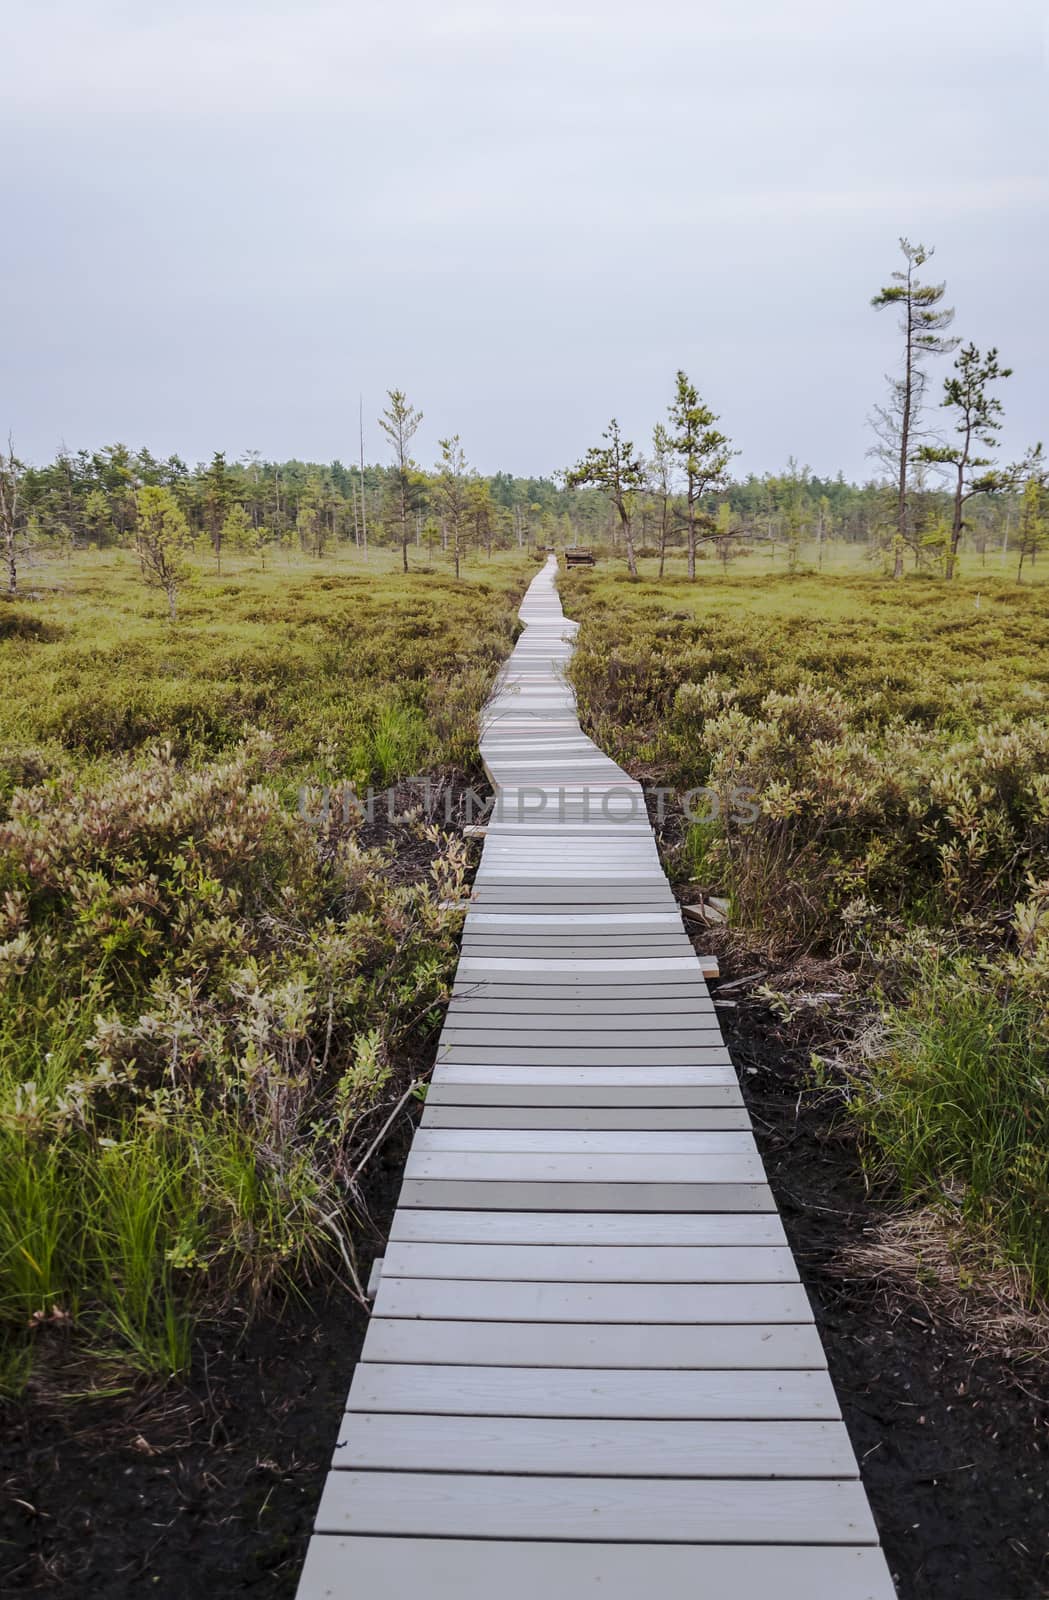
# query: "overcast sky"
224,220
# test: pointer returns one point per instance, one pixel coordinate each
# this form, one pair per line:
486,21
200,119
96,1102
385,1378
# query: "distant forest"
941,490
262,509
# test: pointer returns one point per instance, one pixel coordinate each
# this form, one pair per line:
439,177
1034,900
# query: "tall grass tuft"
958,1105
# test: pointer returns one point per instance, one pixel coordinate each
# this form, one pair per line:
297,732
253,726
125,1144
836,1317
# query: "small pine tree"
977,421
238,535
616,468
163,541
703,451
1033,536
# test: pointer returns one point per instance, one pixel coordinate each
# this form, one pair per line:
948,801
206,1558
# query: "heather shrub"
897,741
203,995
214,985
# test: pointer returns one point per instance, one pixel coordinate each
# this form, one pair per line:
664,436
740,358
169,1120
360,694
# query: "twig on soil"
380,1136
347,1253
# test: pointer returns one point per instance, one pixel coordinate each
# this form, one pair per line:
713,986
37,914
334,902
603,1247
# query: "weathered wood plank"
599,1447
497,1141
520,1263
509,1167
576,1052
612,999
476,1301
624,999
656,968
642,1096
458,1505
566,949
465,1024
585,1119
490,1196
664,1347
345,1568
584,1077
575,921
586,1228
607,1044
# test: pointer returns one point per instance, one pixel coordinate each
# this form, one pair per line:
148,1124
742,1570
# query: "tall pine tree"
923,319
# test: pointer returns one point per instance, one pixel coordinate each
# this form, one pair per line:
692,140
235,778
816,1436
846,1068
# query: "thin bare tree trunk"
364,496
631,559
905,436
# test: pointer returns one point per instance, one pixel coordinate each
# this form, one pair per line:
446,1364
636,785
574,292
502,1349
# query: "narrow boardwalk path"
591,1369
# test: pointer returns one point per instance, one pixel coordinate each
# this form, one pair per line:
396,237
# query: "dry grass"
957,1275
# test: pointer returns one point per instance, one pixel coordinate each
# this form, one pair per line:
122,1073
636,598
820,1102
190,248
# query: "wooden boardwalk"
591,1368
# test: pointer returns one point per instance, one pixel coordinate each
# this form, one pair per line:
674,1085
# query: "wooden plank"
559,1263
588,944
536,1010
497,1141
568,877
655,1096
582,1076
458,1505
653,970
691,1043
509,1167
490,896
489,1196
583,1117
439,1298
628,1347
623,1000
575,921
465,1023
575,1052
345,1568
594,1447
592,947
575,985
585,1228
604,863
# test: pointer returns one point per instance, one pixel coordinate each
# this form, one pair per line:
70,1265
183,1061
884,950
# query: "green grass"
959,1108
334,659
208,994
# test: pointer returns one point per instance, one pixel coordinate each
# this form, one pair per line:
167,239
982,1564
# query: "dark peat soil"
200,1490
953,1446
209,1488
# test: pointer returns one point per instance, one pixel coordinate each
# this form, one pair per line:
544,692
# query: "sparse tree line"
942,482
944,476
958,442
223,513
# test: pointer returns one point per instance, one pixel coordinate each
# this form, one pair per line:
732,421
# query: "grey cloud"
228,219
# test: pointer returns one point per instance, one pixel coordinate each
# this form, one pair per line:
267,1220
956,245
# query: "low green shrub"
896,738
203,991
211,983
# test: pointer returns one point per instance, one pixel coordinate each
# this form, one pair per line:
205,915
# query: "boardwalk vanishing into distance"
592,1369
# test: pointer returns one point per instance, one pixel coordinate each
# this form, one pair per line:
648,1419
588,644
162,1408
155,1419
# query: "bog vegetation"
898,739
213,988
213,983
